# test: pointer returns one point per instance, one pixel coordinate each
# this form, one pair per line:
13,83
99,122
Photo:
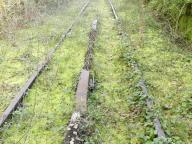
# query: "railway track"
149,102
23,91
72,134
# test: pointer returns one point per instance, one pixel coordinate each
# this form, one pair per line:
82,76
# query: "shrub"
15,14
177,12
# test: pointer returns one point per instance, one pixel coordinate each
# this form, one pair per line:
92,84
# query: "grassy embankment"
166,68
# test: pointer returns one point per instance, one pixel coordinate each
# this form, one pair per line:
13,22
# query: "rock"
75,133
72,141
167,107
75,126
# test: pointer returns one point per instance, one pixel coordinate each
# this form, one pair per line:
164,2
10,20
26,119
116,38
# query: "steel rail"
113,9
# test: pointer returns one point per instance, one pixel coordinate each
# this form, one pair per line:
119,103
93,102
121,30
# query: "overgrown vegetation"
16,14
117,111
177,14
47,108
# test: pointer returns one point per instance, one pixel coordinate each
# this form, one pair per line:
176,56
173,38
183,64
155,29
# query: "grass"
49,104
20,54
166,68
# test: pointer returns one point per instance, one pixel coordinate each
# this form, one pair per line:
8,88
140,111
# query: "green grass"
49,104
185,26
166,68
20,54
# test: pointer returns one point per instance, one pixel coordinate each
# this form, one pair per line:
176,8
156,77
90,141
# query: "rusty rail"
149,102
113,9
72,134
142,85
18,98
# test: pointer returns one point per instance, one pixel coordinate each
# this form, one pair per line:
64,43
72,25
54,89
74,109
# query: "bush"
15,14
177,12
